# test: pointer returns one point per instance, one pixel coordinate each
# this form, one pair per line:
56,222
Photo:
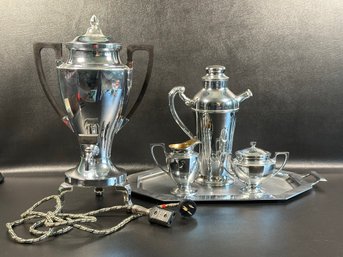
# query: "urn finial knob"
94,21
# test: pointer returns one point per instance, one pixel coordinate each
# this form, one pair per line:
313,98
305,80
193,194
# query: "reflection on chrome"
95,87
182,166
215,108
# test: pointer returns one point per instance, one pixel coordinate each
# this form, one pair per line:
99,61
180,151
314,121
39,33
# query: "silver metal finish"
73,177
94,86
252,166
182,167
215,108
95,101
283,186
124,188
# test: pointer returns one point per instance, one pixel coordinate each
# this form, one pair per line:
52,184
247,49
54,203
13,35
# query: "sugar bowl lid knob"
253,144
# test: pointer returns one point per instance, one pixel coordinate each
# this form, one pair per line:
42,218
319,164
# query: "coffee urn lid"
93,39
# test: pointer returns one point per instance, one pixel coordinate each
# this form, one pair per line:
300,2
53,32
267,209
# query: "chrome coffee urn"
95,87
215,108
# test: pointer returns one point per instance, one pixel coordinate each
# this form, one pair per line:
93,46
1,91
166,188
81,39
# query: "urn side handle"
37,49
130,50
171,96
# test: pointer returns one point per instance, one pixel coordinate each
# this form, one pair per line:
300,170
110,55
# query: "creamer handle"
152,147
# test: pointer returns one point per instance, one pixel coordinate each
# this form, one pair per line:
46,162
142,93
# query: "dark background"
289,53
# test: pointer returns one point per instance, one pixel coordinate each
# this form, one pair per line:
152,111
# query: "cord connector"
161,216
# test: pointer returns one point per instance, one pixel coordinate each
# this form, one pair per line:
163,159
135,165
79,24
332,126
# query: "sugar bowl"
253,165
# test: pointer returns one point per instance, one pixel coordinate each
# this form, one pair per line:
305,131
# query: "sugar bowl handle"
152,147
286,155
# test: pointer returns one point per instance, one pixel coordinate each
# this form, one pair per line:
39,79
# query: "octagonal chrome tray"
157,185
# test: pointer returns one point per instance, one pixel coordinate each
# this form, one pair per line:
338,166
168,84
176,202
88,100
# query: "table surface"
308,225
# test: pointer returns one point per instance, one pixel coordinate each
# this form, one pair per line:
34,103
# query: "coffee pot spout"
245,95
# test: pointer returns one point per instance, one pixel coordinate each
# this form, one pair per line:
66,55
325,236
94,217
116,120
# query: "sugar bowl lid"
252,154
93,39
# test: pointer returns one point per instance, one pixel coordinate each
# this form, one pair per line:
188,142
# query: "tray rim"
303,187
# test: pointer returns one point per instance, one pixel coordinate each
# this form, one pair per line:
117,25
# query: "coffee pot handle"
130,50
286,155
37,49
152,147
188,102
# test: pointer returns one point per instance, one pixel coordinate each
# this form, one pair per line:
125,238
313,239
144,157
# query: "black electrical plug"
187,208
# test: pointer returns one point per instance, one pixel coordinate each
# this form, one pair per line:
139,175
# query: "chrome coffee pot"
215,108
94,86
182,165
253,166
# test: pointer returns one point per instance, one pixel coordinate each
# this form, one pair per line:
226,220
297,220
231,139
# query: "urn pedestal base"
117,180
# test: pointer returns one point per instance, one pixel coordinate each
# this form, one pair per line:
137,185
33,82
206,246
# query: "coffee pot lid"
215,95
215,73
252,153
93,39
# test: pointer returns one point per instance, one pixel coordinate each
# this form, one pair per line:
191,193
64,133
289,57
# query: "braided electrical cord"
58,223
